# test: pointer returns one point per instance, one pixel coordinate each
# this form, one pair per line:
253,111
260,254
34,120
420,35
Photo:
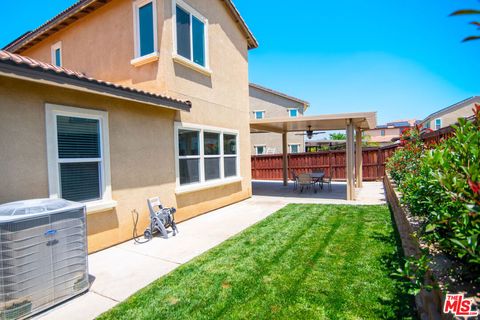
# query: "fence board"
333,162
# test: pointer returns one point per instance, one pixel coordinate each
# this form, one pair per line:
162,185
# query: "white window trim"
260,145
203,184
139,60
255,114
435,123
289,114
180,59
51,113
54,48
294,144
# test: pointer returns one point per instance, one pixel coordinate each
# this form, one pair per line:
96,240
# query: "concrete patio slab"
120,271
371,193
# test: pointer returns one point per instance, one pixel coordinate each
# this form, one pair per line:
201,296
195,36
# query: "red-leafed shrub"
442,186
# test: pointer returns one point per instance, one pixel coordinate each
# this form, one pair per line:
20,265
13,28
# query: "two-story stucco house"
115,101
267,103
390,132
450,115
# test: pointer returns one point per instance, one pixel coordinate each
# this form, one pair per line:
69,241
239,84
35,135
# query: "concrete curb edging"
429,304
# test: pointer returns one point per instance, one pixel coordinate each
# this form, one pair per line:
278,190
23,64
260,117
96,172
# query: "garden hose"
136,237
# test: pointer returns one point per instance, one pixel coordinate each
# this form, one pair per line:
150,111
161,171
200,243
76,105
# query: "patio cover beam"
362,120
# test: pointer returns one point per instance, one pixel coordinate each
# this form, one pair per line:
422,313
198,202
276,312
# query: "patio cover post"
358,159
350,161
285,158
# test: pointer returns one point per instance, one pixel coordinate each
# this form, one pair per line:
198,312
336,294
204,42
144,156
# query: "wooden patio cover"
351,122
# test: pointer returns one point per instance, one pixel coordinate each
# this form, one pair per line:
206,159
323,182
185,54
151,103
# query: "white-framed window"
259,114
293,113
190,34
205,155
56,51
438,124
78,155
260,149
294,148
145,31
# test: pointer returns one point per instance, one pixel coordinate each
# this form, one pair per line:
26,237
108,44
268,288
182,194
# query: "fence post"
330,161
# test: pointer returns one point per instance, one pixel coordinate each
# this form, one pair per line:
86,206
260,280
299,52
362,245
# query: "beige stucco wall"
449,118
141,152
102,45
275,106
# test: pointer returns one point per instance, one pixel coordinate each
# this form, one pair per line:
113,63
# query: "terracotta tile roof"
50,72
83,8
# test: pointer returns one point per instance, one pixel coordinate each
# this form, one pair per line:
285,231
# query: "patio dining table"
317,177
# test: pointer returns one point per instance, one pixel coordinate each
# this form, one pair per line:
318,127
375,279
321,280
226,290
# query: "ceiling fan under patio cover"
310,133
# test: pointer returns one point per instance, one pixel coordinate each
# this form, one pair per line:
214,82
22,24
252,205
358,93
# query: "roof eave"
453,107
20,44
63,80
252,41
305,104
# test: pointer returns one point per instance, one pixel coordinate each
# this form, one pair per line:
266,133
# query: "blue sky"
402,58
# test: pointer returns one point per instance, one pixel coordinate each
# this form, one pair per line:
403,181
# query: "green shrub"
442,186
455,164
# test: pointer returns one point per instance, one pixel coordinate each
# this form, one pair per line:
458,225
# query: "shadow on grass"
403,303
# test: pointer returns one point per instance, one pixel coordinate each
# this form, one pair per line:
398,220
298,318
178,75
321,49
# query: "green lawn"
303,262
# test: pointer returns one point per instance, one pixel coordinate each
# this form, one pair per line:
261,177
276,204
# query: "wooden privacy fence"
333,162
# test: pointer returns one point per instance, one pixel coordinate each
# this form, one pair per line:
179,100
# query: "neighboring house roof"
83,8
17,66
306,104
397,124
453,107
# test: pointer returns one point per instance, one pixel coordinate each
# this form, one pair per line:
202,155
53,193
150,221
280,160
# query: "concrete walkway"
120,271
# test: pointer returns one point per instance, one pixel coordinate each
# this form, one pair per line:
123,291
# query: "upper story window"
57,54
145,30
294,148
261,149
259,115
438,124
382,133
293,113
191,34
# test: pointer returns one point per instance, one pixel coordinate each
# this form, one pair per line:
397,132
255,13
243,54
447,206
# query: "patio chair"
295,180
305,181
328,182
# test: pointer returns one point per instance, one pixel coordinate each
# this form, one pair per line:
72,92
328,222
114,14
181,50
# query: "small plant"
407,158
414,271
